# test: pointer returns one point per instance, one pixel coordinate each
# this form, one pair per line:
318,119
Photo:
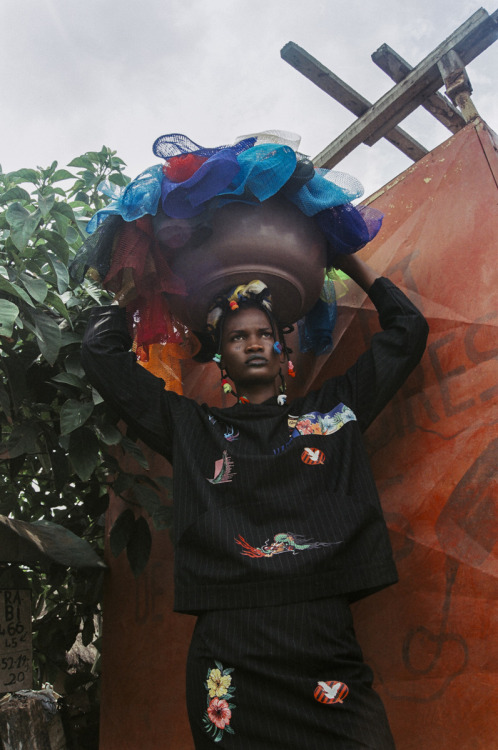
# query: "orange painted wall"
430,639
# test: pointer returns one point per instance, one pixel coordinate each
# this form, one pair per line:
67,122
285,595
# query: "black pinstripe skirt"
283,678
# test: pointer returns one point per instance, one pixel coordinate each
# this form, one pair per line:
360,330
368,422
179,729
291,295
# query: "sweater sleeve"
394,352
137,396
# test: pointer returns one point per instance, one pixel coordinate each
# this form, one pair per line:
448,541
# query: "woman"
278,524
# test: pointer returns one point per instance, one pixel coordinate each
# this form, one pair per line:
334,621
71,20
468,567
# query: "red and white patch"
313,456
330,692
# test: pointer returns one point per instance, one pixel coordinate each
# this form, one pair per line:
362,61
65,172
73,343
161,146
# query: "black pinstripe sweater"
273,504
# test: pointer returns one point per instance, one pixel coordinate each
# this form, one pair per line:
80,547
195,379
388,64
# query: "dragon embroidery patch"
284,542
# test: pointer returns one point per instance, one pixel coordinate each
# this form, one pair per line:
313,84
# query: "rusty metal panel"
431,638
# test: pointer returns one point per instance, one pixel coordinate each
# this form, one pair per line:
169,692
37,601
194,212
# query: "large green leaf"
81,161
148,499
68,378
55,301
61,272
37,288
48,335
15,194
45,203
119,179
56,243
109,434
74,414
121,532
23,439
62,174
139,546
16,291
25,175
8,315
63,215
133,449
83,452
22,224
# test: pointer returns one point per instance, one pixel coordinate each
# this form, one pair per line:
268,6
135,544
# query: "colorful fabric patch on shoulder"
330,692
313,456
220,691
316,423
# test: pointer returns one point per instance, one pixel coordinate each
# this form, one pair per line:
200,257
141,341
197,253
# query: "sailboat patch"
223,470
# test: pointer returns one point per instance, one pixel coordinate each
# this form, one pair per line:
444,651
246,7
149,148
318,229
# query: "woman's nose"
253,344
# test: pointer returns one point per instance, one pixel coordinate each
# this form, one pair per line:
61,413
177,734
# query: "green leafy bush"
56,434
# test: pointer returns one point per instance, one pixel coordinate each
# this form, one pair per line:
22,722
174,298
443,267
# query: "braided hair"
255,294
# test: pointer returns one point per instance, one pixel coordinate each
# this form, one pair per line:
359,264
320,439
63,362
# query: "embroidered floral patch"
218,714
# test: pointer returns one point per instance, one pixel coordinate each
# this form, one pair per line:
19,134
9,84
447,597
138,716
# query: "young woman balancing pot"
278,524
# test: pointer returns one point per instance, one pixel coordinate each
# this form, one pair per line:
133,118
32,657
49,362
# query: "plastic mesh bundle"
175,144
186,191
326,189
188,198
263,171
348,228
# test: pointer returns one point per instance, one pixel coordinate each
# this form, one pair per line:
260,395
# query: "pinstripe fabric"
276,518
240,481
278,656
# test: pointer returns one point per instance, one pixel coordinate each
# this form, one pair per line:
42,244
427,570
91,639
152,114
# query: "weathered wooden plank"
397,68
457,83
469,40
335,87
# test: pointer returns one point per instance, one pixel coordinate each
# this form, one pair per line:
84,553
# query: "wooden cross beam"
468,41
396,68
345,95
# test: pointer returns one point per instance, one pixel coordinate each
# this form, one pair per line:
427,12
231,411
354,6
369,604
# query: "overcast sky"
78,74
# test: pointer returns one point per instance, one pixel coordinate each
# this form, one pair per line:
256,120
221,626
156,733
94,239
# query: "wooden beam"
396,68
327,81
457,83
469,40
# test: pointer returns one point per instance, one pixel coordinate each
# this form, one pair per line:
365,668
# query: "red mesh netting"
139,265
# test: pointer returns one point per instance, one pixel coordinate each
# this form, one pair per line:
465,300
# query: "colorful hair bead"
234,305
277,347
217,358
243,400
291,370
227,388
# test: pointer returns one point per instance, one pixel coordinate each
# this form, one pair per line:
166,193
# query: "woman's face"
247,348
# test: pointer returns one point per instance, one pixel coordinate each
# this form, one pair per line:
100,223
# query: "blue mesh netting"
315,329
348,228
264,170
175,144
139,197
322,191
